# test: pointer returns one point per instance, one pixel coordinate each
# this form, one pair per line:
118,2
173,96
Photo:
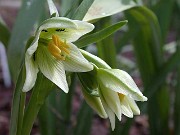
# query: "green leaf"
64,107
84,120
163,9
68,7
16,102
148,49
82,9
98,36
177,105
41,90
28,15
47,119
157,81
106,47
4,34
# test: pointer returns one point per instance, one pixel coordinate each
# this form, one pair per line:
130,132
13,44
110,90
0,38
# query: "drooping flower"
117,90
118,93
52,51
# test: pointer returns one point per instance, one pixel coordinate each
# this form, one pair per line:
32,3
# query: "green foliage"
4,34
28,15
147,31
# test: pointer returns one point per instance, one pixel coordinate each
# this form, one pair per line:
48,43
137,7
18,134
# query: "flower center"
58,48
121,96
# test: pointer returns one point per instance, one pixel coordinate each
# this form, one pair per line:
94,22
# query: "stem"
16,101
41,90
21,112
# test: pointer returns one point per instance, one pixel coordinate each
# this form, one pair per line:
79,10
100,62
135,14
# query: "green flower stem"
15,104
46,118
21,113
41,90
106,47
65,107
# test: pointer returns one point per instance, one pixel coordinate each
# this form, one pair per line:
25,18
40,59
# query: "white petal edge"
75,61
126,110
52,68
31,73
95,60
121,82
52,8
133,106
74,29
109,112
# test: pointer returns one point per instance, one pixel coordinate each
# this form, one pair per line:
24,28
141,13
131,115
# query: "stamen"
121,96
58,48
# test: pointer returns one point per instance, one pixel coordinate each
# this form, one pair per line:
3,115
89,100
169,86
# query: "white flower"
118,93
103,8
52,51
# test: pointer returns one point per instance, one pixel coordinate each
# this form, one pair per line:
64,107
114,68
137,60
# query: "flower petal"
95,103
51,68
103,8
109,112
95,60
31,73
75,61
66,29
126,110
133,106
112,100
121,82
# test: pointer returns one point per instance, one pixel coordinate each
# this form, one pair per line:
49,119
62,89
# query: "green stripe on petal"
51,68
31,73
121,82
75,61
95,60
95,103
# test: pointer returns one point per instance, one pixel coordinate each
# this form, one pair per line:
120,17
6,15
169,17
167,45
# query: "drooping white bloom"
118,93
52,51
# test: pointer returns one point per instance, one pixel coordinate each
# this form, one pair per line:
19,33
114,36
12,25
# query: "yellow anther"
53,49
121,96
58,48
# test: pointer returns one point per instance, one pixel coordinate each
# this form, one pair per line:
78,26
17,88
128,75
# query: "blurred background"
147,48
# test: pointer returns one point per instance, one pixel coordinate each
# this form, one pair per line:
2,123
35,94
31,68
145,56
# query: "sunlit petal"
121,82
31,73
133,106
126,109
112,100
109,112
75,61
52,68
66,29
